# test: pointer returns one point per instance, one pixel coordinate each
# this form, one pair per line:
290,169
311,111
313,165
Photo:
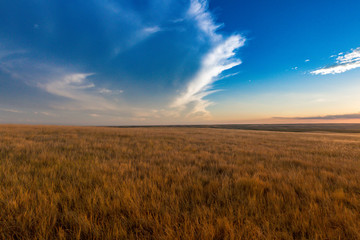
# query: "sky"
145,62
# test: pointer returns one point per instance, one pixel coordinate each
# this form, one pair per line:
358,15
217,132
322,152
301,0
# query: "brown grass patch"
177,183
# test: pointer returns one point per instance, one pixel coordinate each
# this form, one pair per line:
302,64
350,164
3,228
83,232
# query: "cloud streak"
199,11
344,63
326,117
221,57
76,87
10,110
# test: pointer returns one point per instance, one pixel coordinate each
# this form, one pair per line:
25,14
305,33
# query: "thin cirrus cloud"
10,110
326,117
221,57
344,63
76,87
151,30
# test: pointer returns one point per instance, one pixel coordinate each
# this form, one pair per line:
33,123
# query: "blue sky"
121,62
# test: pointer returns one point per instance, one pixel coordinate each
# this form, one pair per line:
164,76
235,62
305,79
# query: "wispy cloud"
10,110
10,58
227,76
205,21
221,57
152,30
46,114
108,91
81,97
326,117
137,37
140,46
344,62
76,87
51,78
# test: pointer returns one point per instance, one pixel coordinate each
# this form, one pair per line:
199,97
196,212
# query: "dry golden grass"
177,183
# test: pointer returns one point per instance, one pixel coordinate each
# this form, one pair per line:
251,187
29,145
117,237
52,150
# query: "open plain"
177,183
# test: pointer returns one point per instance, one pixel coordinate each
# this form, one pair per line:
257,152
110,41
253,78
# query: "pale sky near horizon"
138,62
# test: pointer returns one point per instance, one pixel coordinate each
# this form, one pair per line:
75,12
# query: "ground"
177,183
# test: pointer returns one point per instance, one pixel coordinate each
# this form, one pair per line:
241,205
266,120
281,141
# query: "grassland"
177,183
309,127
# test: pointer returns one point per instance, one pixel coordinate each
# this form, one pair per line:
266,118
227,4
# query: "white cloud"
337,69
152,30
220,58
81,96
205,21
77,87
344,62
227,76
45,113
10,110
105,90
108,91
307,60
354,56
9,59
141,34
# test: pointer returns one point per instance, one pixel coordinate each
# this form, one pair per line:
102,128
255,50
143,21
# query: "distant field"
335,127
177,183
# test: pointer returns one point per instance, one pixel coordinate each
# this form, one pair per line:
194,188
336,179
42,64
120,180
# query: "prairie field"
177,183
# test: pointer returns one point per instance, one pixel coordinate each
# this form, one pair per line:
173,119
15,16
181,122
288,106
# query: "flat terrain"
312,127
177,183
